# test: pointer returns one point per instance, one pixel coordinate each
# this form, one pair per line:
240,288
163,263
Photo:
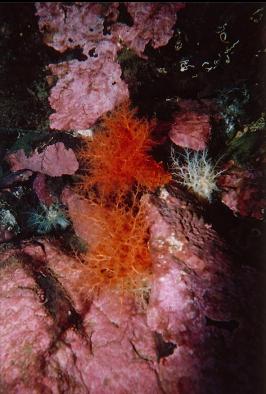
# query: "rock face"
26,331
85,89
242,191
199,302
88,88
193,336
111,348
153,23
191,127
55,160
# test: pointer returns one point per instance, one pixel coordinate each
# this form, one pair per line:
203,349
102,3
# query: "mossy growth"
45,219
248,146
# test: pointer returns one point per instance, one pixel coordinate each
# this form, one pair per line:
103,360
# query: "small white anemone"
197,172
45,219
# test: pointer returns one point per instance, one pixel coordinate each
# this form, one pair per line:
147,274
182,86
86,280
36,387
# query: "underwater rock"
41,189
187,337
82,224
13,178
191,126
153,22
107,360
65,26
68,270
85,91
55,160
111,327
242,191
198,301
5,235
26,331
182,241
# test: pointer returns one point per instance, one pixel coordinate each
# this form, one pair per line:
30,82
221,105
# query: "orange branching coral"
120,167
119,259
118,155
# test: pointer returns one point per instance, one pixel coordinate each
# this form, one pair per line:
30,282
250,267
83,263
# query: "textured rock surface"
242,191
152,23
85,90
5,235
41,189
66,26
193,336
54,160
26,331
200,302
191,127
76,206
117,350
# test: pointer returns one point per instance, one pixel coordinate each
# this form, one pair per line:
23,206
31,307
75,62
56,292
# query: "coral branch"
118,156
119,257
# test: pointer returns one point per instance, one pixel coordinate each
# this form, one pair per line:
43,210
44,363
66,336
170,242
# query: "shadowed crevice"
163,349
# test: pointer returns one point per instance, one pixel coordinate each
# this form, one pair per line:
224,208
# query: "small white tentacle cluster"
197,172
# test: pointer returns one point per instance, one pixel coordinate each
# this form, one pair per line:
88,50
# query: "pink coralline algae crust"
116,351
191,126
66,26
242,191
41,189
153,22
69,26
67,270
182,242
117,362
172,346
75,205
55,160
193,280
86,89
194,284
25,331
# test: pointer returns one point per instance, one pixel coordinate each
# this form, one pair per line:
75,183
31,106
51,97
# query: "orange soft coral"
120,168
118,155
119,258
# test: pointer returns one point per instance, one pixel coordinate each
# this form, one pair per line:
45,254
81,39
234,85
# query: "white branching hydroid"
197,173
